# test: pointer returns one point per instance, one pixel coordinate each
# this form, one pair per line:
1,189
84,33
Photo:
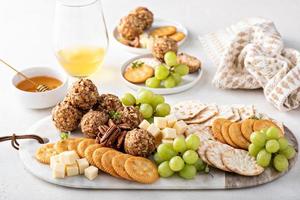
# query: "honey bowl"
55,80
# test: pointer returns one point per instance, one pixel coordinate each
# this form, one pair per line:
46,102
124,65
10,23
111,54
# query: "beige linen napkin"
250,55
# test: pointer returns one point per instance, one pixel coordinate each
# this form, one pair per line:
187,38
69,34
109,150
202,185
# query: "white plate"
188,81
157,23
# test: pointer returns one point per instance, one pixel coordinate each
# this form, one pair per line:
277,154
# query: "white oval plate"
188,81
157,23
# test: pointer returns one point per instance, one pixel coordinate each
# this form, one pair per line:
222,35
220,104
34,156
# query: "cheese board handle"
13,138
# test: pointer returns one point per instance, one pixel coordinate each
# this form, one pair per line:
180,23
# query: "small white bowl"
39,100
157,23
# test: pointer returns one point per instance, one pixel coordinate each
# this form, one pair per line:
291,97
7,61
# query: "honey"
50,82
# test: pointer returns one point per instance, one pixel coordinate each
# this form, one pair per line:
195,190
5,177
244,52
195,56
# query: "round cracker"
216,129
236,135
141,170
240,162
88,152
264,123
214,155
106,162
83,145
97,155
247,128
44,153
202,149
225,134
72,145
62,145
118,163
187,109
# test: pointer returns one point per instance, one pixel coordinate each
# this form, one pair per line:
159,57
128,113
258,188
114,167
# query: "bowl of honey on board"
55,80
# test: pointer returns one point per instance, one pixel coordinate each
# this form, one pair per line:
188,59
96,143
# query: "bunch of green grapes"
267,145
181,157
169,74
148,103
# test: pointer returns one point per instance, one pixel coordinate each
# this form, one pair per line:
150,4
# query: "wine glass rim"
78,3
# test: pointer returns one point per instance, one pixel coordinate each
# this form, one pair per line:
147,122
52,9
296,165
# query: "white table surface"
26,40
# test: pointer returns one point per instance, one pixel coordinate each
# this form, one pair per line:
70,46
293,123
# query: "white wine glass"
80,36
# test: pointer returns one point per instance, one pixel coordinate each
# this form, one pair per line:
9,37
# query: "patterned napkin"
250,55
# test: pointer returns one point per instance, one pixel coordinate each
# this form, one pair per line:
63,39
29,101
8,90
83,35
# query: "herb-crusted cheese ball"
161,46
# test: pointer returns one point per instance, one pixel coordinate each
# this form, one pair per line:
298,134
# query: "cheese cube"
171,120
144,124
167,141
82,164
169,133
91,172
72,170
53,161
180,127
153,130
160,122
68,157
58,170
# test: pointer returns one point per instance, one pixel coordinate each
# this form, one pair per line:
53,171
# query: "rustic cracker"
187,109
163,31
106,162
225,134
210,111
44,153
62,145
83,145
178,36
97,156
205,135
141,170
214,152
247,128
264,123
118,163
245,111
240,162
216,129
72,145
88,152
236,117
202,150
236,135
225,112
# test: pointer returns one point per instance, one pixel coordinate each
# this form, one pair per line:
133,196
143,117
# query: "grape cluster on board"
149,104
169,74
180,156
268,147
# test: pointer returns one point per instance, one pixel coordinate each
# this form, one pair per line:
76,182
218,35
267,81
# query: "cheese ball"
130,27
109,102
66,117
91,121
161,46
83,94
145,15
138,142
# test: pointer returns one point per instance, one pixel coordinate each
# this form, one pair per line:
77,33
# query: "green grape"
141,90
258,139
190,157
199,164
150,120
192,142
179,144
253,150
272,146
161,72
280,163
157,99
164,169
162,110
289,152
188,172
273,133
157,159
283,143
176,163
145,96
181,69
169,82
177,78
146,110
128,99
263,158
152,82
170,58
165,151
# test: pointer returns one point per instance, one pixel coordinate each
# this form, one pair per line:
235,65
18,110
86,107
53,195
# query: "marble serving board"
216,179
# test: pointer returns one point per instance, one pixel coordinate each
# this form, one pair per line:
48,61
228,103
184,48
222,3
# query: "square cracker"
187,109
210,111
236,117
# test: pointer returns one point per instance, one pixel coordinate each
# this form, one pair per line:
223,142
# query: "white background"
26,40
